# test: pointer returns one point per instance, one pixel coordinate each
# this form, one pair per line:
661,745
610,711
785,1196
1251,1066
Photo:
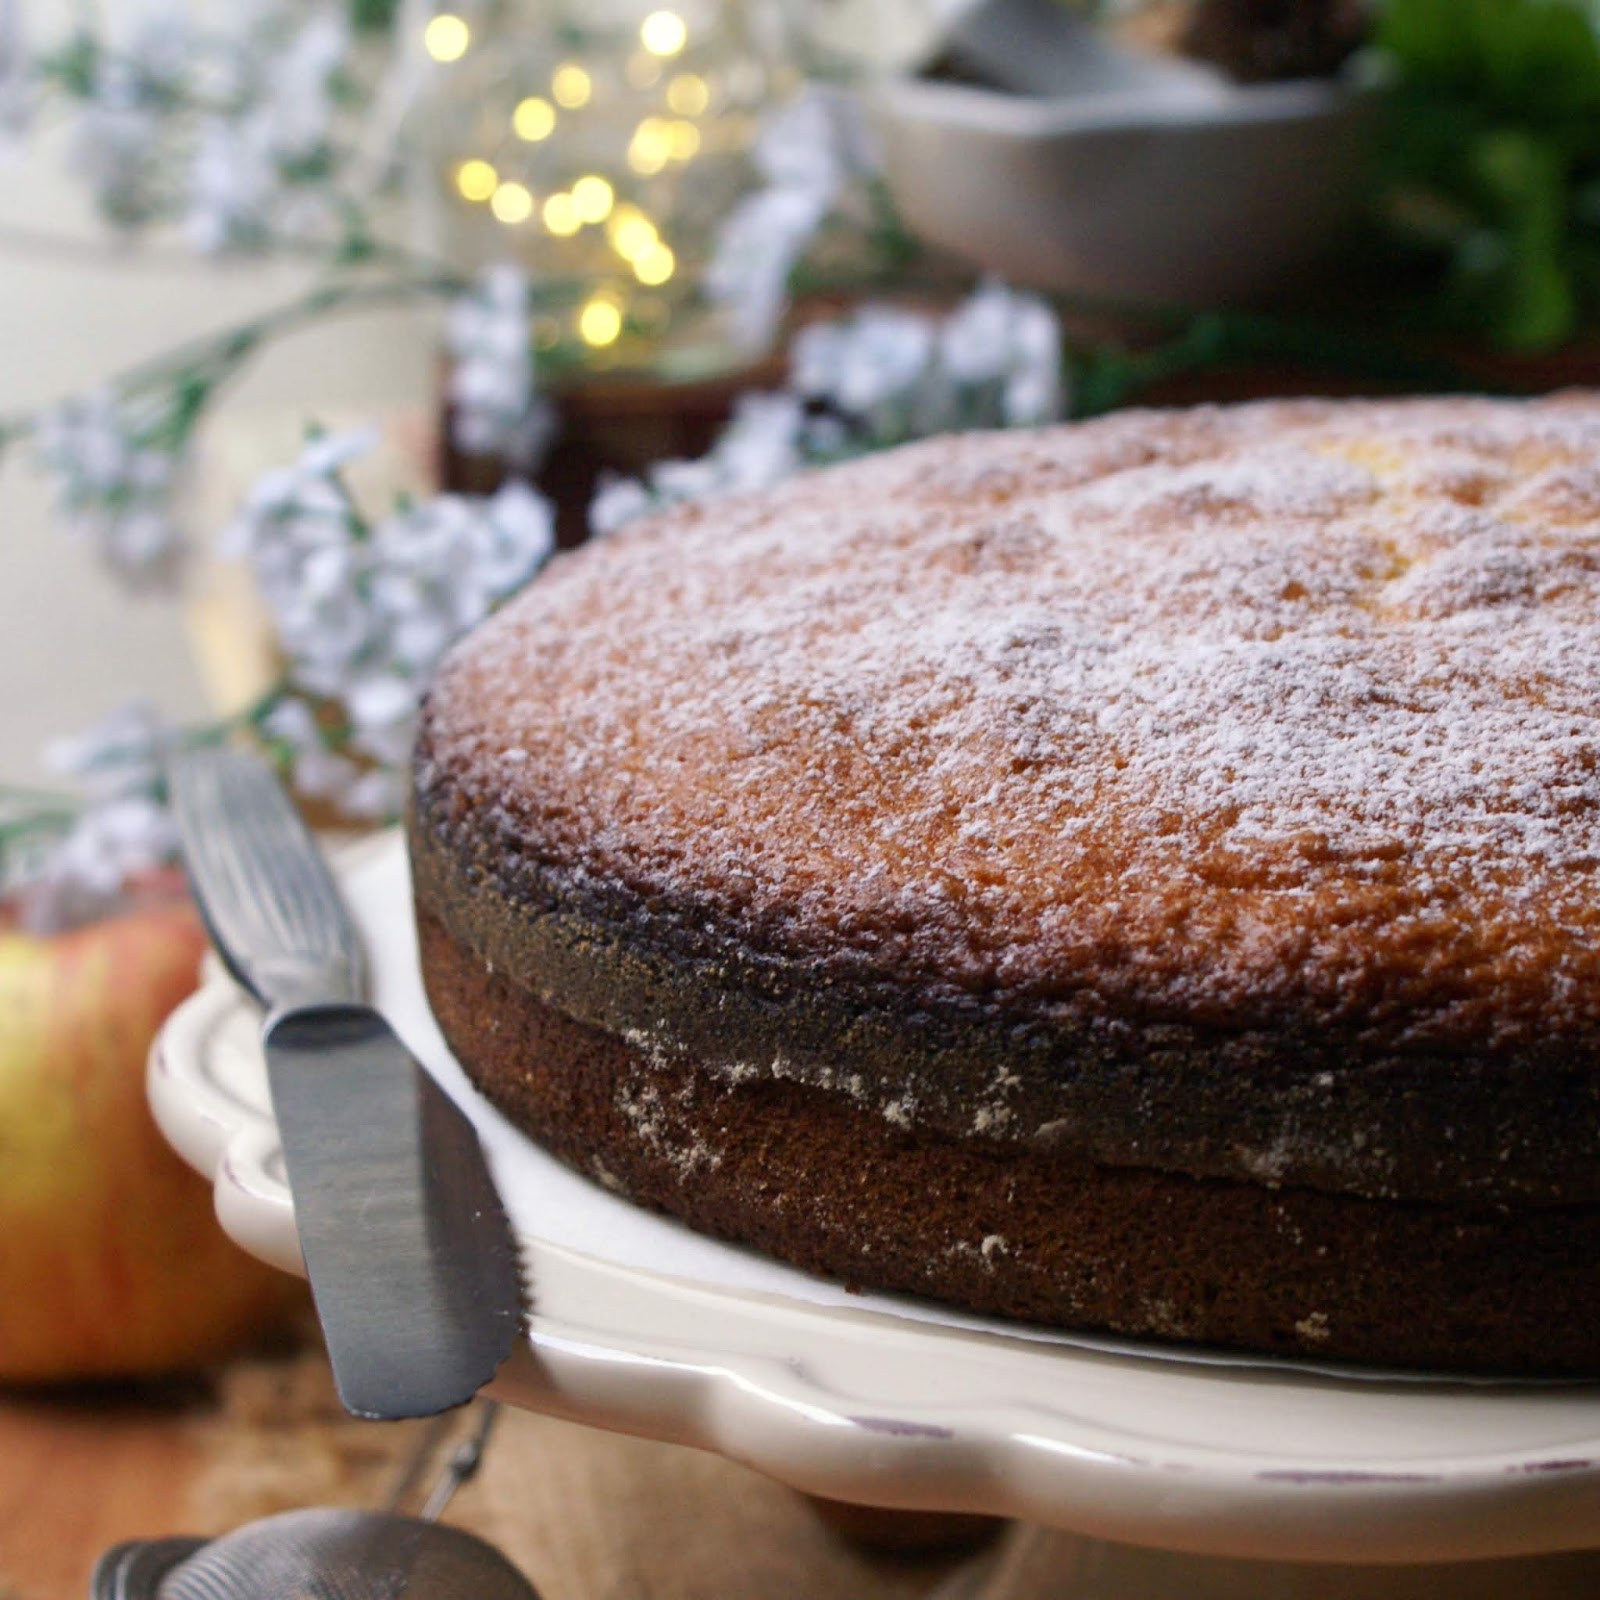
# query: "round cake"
1133,876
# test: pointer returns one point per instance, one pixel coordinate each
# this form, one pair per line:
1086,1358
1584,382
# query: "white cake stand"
1179,1474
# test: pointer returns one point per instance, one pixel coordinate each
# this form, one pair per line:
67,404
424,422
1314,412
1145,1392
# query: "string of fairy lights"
663,128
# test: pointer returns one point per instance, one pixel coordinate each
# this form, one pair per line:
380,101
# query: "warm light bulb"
561,215
592,198
534,119
663,33
446,37
599,322
656,265
631,233
571,86
512,203
688,95
651,146
476,180
683,140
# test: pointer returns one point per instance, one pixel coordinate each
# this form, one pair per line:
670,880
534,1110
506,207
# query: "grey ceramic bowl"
1119,175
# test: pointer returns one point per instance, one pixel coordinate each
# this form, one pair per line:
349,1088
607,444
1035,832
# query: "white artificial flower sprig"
116,462
264,167
363,611
892,375
241,133
123,143
879,377
249,129
808,154
494,409
69,858
1001,354
117,455
768,437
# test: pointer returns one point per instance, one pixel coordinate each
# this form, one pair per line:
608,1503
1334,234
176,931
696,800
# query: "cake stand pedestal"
1162,1473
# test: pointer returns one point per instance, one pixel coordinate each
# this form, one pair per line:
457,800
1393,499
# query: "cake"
1136,876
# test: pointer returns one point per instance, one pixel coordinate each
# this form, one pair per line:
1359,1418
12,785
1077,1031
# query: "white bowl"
1186,190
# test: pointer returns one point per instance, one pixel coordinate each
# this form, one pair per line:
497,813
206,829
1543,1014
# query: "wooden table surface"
586,1515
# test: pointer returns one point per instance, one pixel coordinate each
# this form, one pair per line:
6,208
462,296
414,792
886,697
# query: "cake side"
1322,1110
1216,789
817,1180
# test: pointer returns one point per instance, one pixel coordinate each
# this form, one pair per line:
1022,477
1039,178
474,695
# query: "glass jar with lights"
600,143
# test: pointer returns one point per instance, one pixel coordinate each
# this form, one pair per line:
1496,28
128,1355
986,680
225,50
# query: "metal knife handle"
263,888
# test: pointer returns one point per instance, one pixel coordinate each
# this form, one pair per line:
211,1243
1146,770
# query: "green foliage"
1492,161
373,16
72,66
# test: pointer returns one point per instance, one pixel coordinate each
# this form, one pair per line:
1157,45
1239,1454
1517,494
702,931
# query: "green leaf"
1524,181
1422,38
73,67
1491,158
373,16
1540,57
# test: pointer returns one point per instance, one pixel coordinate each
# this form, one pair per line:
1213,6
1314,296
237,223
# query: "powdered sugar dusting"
1197,709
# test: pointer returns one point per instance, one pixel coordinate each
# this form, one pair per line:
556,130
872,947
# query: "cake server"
411,1259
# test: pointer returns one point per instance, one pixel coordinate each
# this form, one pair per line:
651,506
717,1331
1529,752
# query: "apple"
111,1259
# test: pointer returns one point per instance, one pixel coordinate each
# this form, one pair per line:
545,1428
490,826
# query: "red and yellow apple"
111,1259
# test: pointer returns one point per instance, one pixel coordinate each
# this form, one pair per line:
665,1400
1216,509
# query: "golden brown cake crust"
1209,791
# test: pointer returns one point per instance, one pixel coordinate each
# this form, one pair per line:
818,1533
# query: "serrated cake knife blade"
412,1262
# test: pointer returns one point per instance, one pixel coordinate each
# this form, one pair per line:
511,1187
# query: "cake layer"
1321,1109
812,1178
